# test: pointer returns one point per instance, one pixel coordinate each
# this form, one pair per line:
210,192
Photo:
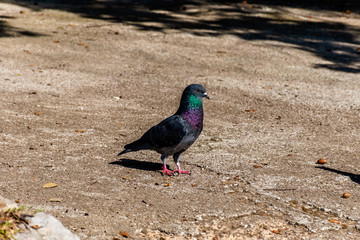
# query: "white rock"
49,228
6,204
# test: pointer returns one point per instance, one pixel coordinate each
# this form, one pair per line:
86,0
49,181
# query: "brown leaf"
55,200
166,184
79,131
257,166
334,221
49,185
124,234
38,113
35,226
321,161
276,231
225,183
346,195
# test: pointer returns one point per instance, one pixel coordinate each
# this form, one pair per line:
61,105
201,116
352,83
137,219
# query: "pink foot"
167,171
182,171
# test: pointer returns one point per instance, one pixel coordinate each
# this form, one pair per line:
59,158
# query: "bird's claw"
167,171
179,171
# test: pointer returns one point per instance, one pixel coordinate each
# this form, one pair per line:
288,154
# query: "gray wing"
167,133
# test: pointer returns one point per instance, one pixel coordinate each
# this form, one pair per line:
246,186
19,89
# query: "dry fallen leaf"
126,178
225,183
37,113
334,221
124,234
49,185
56,41
257,166
166,184
55,200
276,231
79,131
346,195
321,161
35,226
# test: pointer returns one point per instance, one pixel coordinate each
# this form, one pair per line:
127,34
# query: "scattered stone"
47,228
40,226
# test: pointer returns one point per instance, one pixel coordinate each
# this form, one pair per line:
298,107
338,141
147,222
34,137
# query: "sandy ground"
79,82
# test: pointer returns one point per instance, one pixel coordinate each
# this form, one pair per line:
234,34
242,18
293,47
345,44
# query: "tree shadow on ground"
8,31
335,42
354,177
137,164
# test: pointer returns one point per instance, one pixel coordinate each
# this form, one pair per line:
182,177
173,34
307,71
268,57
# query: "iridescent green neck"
194,102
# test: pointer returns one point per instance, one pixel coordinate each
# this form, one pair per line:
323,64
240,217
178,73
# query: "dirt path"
77,83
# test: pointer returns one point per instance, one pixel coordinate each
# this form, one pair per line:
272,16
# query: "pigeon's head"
196,90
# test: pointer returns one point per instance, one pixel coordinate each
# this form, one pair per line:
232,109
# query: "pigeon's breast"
184,144
194,117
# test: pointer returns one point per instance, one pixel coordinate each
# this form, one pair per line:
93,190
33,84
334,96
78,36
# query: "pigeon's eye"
198,90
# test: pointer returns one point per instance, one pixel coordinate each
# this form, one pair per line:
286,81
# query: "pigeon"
175,134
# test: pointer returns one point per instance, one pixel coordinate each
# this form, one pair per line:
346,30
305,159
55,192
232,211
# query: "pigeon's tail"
125,151
136,146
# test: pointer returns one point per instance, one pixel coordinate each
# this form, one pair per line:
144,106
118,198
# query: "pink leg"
167,171
180,171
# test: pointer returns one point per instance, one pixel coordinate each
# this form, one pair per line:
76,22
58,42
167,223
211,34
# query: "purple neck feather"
194,116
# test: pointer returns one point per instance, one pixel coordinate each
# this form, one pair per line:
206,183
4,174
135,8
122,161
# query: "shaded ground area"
78,82
334,41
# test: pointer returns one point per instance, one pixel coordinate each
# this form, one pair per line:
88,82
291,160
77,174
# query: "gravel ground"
78,82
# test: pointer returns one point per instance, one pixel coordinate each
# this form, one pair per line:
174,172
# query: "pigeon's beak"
205,95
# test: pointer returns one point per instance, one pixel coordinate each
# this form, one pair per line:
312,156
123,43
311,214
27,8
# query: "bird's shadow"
137,164
354,177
